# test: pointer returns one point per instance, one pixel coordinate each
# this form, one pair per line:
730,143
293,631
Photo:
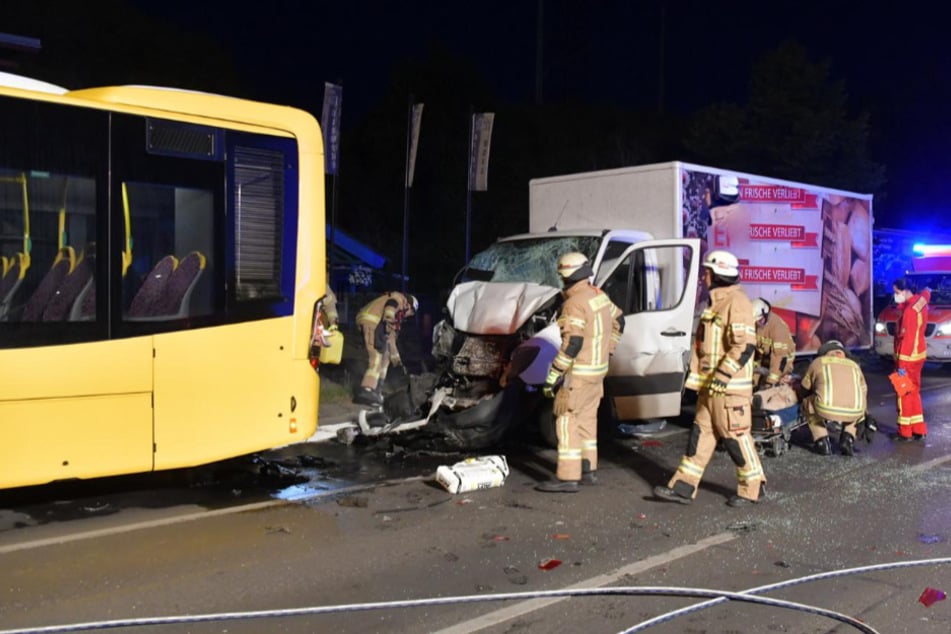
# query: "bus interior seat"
146,299
63,265
16,271
84,308
60,306
176,293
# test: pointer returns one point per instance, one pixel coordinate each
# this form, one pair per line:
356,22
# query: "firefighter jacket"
385,313
839,388
591,327
775,348
720,349
330,315
910,328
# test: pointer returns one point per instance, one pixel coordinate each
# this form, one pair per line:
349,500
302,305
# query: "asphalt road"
364,526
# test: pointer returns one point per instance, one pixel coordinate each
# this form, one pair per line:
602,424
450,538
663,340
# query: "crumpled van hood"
494,308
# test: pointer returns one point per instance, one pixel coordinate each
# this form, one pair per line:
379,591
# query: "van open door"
655,284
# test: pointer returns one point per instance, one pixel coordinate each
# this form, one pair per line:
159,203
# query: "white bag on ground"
472,474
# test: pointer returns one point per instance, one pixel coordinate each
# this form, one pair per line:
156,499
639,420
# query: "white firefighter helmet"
413,303
571,264
760,308
722,263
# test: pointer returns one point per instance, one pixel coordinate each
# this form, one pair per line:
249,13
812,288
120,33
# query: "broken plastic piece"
930,539
551,564
931,596
561,536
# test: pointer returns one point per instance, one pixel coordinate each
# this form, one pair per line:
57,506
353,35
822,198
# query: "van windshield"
939,283
531,260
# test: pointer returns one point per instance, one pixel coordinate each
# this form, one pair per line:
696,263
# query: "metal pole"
406,186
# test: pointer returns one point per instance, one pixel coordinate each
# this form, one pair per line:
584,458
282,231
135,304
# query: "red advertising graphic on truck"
805,251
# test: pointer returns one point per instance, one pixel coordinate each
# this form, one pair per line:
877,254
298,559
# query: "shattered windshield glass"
531,260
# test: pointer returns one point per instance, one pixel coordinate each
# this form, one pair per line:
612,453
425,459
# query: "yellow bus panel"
243,392
84,437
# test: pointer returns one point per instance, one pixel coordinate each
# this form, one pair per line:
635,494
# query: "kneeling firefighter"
721,371
591,327
833,389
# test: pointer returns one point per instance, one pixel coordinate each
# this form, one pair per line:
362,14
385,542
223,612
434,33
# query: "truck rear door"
655,284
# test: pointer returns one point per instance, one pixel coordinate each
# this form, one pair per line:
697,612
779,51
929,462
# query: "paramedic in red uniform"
591,327
721,372
910,353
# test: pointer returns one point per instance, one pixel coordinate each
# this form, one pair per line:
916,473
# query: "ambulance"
931,269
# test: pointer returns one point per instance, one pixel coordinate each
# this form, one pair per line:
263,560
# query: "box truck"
806,249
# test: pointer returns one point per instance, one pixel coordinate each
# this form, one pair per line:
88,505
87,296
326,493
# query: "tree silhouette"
796,126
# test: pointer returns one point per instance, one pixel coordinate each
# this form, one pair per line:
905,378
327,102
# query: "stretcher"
772,429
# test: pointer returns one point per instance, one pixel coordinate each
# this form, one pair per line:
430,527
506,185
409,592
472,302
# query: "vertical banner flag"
417,120
330,124
479,151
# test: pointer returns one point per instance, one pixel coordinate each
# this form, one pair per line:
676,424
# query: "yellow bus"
163,259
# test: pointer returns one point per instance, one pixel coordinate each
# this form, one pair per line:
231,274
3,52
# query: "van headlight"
943,329
880,328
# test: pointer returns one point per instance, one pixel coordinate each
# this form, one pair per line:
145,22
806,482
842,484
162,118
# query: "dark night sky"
892,61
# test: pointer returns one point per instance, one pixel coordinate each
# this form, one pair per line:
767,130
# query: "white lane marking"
526,607
925,466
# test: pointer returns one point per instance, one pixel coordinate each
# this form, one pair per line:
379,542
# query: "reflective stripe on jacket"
841,393
725,330
588,313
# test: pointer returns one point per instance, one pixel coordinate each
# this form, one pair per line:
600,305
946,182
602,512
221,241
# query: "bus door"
167,237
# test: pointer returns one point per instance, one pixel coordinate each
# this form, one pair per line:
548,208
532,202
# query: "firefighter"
775,348
721,371
330,316
910,355
591,326
380,322
833,389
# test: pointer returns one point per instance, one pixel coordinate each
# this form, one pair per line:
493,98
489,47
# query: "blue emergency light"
927,250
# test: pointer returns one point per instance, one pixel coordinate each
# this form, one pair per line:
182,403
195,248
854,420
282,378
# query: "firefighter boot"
558,486
846,444
823,446
366,396
681,493
588,476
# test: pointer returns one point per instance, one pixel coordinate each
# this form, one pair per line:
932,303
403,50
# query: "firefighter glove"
717,387
560,407
551,383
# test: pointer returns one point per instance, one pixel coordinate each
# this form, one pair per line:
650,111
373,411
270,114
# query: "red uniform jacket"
910,328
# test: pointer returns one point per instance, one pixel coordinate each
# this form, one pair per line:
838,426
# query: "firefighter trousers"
577,428
911,417
727,418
